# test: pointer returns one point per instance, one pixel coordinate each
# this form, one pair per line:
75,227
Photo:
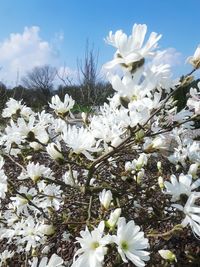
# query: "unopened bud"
161,182
167,255
114,216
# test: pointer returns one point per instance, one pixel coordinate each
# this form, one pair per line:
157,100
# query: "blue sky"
63,26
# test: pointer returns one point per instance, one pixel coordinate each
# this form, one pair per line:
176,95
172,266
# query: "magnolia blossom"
93,247
131,243
183,185
80,140
3,180
52,196
192,213
6,254
54,261
110,125
194,101
70,177
27,232
33,130
20,203
54,150
35,172
158,143
15,107
136,164
195,59
61,108
105,198
132,49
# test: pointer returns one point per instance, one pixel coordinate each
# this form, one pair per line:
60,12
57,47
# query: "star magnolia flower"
35,172
131,243
93,247
195,59
54,261
30,233
131,49
192,212
6,254
32,130
105,198
194,101
80,140
3,180
182,186
15,107
61,108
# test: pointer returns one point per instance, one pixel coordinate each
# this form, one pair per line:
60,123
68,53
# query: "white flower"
15,107
54,261
20,203
193,169
6,254
30,234
167,255
158,143
35,172
183,185
194,101
131,49
52,196
192,212
61,108
80,140
36,146
105,198
70,177
32,130
93,247
195,59
3,180
131,242
54,150
46,229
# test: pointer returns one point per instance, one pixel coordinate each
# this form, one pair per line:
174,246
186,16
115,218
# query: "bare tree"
64,76
88,75
40,78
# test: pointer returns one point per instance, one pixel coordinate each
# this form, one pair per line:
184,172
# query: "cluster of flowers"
141,116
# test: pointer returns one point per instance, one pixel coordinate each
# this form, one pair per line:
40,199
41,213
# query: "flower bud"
105,198
159,166
35,145
114,216
193,169
47,229
167,255
54,151
161,182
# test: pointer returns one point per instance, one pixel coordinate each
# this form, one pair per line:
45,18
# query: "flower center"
124,245
95,245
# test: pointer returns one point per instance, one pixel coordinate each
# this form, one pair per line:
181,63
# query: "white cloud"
22,51
169,56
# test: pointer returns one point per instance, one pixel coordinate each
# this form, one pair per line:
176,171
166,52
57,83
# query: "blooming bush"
121,188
